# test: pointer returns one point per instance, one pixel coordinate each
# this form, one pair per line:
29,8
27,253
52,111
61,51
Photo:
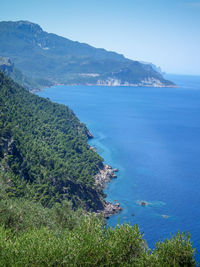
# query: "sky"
164,32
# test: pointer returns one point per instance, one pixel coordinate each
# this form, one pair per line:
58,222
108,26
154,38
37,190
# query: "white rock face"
150,81
147,82
104,176
109,82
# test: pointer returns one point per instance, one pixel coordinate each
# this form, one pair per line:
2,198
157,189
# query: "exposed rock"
93,148
165,216
110,209
6,65
147,82
8,145
104,175
85,132
143,203
89,135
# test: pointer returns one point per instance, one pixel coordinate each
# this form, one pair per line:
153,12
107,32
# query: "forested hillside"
43,148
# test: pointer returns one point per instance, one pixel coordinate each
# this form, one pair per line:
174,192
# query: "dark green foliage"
43,147
49,59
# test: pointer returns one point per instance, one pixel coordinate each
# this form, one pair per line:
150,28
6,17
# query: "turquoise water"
153,136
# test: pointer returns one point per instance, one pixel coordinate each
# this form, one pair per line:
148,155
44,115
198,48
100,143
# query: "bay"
153,136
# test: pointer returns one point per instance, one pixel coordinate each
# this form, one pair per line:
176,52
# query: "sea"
152,135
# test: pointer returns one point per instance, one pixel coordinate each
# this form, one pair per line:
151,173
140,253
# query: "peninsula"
44,59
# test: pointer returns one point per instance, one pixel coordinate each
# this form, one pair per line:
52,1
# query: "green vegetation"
48,59
43,148
31,235
47,188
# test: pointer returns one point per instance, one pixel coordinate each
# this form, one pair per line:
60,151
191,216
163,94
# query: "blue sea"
152,135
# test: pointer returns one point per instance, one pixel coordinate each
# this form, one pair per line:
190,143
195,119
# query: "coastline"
103,177
106,84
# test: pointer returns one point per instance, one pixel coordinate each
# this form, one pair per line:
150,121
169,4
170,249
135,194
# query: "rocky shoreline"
104,176
150,82
111,209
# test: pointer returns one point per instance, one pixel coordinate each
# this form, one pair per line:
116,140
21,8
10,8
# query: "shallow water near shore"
152,135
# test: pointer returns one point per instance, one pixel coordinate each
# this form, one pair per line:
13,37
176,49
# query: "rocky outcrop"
6,65
111,209
84,131
89,134
105,174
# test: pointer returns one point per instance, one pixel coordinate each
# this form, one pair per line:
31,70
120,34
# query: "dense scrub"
32,235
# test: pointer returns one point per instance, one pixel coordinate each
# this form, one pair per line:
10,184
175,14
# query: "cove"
152,135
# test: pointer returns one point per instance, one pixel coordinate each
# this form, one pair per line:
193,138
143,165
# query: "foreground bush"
91,244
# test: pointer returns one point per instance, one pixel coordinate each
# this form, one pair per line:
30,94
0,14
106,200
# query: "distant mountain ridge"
48,59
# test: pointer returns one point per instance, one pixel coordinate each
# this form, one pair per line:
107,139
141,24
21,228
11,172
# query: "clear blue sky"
164,32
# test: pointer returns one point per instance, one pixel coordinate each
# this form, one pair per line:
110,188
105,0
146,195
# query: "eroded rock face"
6,65
111,209
104,175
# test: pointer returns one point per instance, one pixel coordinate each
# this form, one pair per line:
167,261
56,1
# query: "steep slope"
50,59
7,66
44,153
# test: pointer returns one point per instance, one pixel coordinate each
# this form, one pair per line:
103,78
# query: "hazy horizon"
163,33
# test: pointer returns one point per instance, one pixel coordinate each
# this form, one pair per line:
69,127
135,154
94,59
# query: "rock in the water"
165,216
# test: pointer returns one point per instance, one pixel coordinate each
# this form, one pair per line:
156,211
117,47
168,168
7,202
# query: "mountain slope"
50,59
44,153
7,66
